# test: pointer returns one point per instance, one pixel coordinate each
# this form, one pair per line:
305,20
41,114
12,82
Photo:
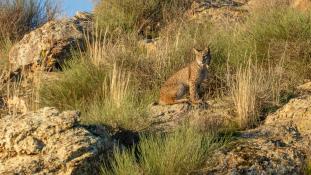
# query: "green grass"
177,153
308,170
267,37
79,82
134,15
102,94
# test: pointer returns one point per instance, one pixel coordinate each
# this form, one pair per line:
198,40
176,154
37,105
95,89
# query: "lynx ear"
196,51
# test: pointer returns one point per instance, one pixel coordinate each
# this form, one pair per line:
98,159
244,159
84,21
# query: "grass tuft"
177,153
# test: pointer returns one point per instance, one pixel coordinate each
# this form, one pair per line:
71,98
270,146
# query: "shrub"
18,17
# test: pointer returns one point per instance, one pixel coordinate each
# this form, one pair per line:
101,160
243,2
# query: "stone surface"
300,5
50,142
280,146
211,115
218,12
49,45
17,104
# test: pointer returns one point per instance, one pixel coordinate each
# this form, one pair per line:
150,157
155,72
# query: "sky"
70,7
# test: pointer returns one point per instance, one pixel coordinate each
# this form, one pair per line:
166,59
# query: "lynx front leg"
194,96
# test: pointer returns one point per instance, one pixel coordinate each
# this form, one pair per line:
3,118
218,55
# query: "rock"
49,45
305,88
210,116
259,5
300,5
218,12
50,142
280,146
17,104
83,16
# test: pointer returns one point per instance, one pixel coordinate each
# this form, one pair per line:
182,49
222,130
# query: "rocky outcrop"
49,45
300,5
50,142
218,12
211,115
280,146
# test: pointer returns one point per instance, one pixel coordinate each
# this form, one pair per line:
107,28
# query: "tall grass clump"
245,91
119,104
253,87
177,153
5,46
18,17
133,15
75,88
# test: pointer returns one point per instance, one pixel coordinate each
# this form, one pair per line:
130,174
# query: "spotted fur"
188,79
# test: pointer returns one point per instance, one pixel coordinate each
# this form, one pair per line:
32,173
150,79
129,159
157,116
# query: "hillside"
81,95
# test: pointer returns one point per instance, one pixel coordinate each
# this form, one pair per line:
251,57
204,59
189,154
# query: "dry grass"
245,91
22,95
117,90
252,87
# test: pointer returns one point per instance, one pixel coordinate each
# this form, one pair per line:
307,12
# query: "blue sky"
70,7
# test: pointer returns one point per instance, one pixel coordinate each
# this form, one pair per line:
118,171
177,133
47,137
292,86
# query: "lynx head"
203,57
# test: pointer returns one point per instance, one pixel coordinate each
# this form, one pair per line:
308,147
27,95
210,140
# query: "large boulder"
50,142
49,45
280,146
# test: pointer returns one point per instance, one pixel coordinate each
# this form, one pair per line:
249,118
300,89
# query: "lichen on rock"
50,142
49,45
280,146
